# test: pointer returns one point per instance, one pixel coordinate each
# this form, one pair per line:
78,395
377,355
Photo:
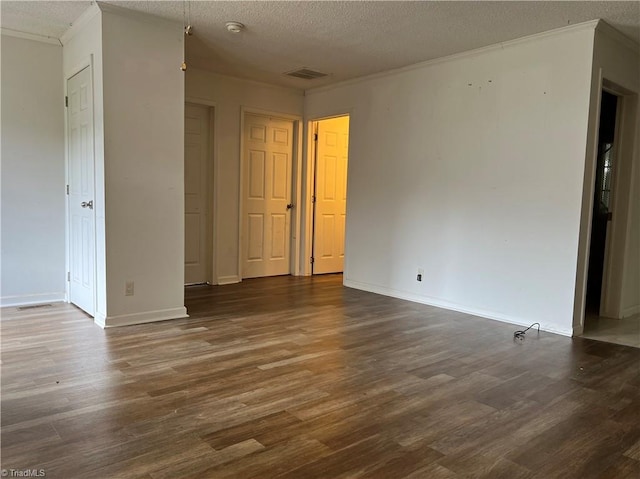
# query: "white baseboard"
100,319
28,299
633,310
394,293
140,318
228,279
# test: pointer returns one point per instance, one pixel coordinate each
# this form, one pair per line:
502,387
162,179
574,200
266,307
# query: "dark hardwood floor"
302,378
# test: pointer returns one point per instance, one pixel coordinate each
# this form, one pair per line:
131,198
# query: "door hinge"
68,275
313,199
313,260
66,101
67,189
315,137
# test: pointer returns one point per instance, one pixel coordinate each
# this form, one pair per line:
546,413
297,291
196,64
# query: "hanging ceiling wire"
188,29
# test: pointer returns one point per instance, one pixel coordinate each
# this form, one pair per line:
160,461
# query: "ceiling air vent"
306,74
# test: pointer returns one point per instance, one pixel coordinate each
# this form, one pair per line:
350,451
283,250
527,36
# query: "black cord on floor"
520,334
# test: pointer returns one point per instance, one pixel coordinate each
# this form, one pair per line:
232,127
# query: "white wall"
33,209
230,95
471,168
617,61
143,167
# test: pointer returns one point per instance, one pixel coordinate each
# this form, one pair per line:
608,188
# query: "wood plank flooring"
303,378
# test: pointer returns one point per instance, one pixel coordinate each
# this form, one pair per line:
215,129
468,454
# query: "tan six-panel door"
81,192
331,195
266,190
196,177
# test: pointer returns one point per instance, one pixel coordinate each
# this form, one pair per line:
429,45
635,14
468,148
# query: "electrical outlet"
128,288
420,274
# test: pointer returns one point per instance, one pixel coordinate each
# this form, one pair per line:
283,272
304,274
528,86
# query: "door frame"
310,180
86,62
212,190
296,186
615,245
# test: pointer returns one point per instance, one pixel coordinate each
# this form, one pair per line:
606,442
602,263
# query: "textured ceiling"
50,19
345,39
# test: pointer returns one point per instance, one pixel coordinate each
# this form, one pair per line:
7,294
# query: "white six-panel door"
331,195
267,190
81,192
196,177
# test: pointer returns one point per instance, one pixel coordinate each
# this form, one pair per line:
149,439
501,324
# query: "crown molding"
80,22
616,35
30,36
247,81
590,25
97,8
142,16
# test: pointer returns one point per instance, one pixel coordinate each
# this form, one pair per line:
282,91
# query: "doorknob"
88,204
290,206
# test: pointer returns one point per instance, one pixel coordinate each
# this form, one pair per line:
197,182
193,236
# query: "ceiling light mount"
234,27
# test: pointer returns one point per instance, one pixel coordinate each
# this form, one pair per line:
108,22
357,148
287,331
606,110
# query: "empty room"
298,239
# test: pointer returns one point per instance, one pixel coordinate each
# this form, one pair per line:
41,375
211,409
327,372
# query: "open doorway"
331,156
602,203
606,316
611,145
